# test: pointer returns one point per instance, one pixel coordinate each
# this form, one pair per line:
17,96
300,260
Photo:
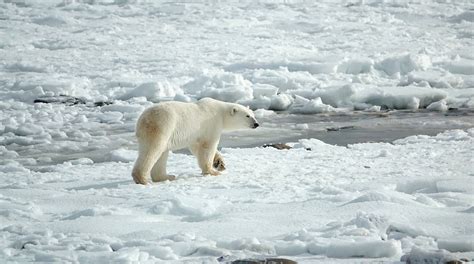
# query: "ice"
251,244
314,106
260,113
123,108
24,67
291,248
280,102
404,64
364,249
24,130
456,185
459,244
221,85
467,16
52,21
463,66
440,106
164,253
75,76
262,102
264,90
436,79
404,97
356,66
153,91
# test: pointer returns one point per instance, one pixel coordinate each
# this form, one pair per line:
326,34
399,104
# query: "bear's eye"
247,116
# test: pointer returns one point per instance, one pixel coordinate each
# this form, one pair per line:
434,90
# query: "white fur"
176,125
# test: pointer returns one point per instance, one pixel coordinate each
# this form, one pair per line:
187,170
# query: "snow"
311,71
365,209
247,52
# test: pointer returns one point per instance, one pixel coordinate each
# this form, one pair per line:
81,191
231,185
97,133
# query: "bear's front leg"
205,153
218,162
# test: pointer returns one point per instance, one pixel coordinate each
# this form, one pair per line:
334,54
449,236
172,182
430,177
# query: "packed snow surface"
66,194
336,55
314,202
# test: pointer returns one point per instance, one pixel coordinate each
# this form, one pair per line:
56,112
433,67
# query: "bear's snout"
255,125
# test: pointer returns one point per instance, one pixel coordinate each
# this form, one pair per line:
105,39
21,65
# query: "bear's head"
240,117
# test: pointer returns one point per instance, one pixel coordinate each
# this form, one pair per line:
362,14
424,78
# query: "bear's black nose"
255,125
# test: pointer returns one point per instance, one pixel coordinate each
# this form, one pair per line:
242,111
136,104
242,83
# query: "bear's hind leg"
148,155
158,172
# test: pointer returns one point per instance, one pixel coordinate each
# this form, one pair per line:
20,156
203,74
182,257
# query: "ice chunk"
153,91
364,249
260,113
262,102
408,97
312,144
27,129
435,78
182,98
165,253
439,106
53,20
462,66
252,244
81,161
404,64
458,244
224,86
122,108
290,248
280,102
456,185
314,106
266,90
356,66
110,117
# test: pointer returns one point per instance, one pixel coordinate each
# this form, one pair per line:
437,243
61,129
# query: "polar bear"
177,125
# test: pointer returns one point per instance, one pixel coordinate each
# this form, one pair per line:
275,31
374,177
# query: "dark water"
333,128
350,128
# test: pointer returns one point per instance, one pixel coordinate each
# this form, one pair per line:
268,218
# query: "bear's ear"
233,111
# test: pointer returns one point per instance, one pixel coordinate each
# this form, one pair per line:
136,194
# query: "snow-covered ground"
314,203
365,70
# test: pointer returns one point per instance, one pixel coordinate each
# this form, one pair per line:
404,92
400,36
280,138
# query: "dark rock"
330,129
61,99
103,103
277,146
265,261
